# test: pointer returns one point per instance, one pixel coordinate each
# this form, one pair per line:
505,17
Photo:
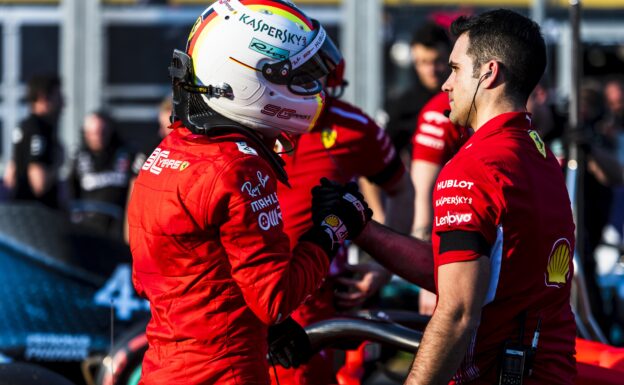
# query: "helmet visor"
303,73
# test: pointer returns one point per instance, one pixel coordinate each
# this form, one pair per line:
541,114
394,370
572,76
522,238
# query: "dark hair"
431,35
510,38
615,79
42,85
105,116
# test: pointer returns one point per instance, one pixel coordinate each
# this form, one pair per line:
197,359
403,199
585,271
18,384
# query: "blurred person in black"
32,174
430,49
99,178
611,126
598,195
164,122
165,110
548,121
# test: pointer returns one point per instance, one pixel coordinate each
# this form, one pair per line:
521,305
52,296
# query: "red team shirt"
505,185
344,145
436,139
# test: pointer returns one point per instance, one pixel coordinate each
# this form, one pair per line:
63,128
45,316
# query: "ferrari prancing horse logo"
328,137
539,143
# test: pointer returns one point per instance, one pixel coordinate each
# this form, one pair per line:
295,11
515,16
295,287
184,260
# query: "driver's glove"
289,344
341,208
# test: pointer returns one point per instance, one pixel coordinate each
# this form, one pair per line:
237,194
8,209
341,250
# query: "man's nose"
446,87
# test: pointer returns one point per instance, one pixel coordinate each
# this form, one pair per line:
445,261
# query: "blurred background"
115,53
112,56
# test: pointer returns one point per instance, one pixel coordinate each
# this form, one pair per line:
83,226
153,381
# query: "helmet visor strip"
303,73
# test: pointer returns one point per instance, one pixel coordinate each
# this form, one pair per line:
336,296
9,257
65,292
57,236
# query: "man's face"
430,64
460,85
614,95
50,105
96,133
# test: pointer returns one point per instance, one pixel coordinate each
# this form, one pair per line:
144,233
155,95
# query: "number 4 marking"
119,293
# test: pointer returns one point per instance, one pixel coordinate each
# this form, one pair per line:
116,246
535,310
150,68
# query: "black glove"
340,209
316,234
289,344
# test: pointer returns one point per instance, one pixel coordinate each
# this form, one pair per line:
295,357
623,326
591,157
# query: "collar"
518,120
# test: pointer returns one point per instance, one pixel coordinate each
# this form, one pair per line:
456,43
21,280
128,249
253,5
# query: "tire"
127,356
19,373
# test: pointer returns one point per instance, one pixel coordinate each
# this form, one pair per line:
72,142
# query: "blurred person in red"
206,229
33,172
503,233
435,142
344,145
429,49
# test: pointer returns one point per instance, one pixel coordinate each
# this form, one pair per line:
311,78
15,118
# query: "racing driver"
206,233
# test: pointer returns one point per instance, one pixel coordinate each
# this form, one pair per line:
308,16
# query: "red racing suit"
507,188
344,145
436,139
210,255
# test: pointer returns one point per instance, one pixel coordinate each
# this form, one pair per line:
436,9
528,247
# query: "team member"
503,234
434,143
32,174
429,50
165,111
344,145
99,177
206,231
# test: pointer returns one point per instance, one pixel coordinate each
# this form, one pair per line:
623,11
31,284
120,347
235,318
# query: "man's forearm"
400,206
407,257
422,217
442,350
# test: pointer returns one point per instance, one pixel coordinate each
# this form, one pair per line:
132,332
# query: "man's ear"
490,73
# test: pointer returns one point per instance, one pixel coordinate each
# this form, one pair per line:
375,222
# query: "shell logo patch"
539,143
332,220
328,137
558,269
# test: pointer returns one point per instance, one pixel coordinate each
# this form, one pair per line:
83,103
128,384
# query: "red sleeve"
273,281
465,198
380,162
436,139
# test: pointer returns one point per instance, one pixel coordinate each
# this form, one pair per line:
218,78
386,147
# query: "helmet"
261,64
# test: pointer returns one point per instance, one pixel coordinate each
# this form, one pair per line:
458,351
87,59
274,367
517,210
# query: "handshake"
339,212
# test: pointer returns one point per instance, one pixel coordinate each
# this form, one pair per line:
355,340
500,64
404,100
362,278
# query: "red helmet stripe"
282,6
197,33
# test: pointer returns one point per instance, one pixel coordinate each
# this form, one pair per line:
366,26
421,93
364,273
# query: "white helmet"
264,62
